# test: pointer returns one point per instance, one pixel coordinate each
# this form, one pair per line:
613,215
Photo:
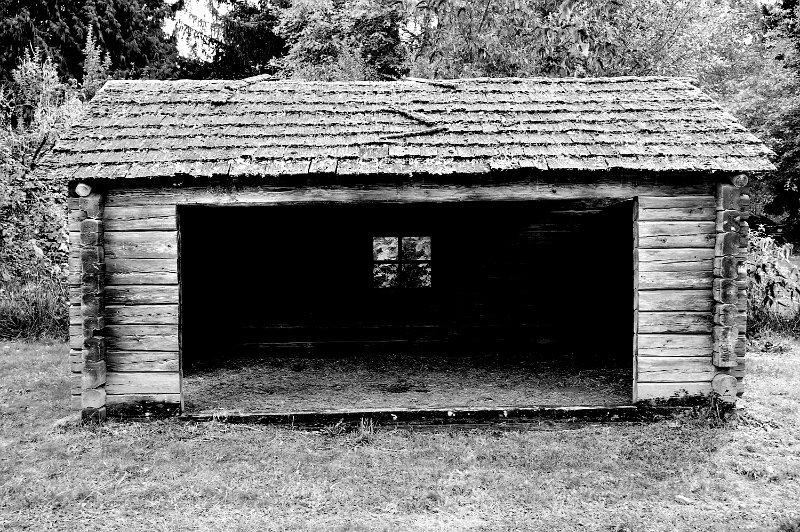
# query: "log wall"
676,336
676,236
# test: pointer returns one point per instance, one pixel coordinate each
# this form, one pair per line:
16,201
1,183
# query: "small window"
401,262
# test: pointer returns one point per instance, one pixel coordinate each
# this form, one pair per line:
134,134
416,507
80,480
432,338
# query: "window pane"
416,248
384,248
415,275
384,275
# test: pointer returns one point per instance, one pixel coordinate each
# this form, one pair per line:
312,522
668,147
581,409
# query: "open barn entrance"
319,307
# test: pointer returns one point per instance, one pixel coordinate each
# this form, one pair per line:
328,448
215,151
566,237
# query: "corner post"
730,283
93,372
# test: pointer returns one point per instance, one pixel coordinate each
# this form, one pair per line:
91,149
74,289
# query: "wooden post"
93,378
733,205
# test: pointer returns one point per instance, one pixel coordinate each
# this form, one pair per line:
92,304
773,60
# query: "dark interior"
522,282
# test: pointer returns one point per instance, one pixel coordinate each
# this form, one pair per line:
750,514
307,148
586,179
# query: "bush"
773,297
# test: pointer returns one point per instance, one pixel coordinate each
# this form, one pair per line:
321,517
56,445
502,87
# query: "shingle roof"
270,128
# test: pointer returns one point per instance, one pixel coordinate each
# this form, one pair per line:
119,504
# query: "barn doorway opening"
330,307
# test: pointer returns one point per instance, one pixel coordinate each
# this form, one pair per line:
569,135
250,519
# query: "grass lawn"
169,475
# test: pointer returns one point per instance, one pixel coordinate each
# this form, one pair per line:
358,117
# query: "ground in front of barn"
686,474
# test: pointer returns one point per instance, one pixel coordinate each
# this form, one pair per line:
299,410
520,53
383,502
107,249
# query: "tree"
129,31
240,41
339,40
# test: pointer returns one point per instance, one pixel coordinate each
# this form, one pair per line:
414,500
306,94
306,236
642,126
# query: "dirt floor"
293,384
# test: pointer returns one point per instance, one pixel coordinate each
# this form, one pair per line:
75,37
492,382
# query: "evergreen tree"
129,31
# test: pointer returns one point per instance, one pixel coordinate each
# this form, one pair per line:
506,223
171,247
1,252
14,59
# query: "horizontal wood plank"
142,337
676,202
142,245
141,271
647,391
675,300
141,295
674,369
141,314
676,322
142,383
675,345
130,398
140,218
661,235
649,280
142,361
551,189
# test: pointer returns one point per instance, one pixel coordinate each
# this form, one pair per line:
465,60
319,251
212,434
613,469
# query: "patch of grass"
684,474
34,310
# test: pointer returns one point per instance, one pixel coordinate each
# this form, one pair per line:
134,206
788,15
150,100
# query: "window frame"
400,261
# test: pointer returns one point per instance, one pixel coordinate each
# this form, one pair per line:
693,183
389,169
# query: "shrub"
773,297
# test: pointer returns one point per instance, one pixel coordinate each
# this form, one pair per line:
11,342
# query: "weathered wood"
676,255
726,267
141,295
141,271
142,383
725,386
92,258
131,398
727,197
724,354
93,374
92,302
675,300
92,205
75,360
598,187
142,361
649,391
672,345
725,291
691,234
677,202
675,369
739,180
725,314
93,398
83,190
91,232
141,314
94,349
142,337
728,221
726,244
92,325
141,245
141,218
654,280
675,322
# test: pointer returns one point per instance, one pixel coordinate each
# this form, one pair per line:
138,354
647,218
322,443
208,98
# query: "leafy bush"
35,109
773,286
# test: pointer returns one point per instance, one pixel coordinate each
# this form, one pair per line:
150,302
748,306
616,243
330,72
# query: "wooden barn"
472,244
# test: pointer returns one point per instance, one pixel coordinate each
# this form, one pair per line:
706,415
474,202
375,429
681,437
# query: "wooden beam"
92,256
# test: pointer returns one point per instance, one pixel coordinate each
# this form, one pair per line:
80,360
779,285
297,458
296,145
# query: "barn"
282,246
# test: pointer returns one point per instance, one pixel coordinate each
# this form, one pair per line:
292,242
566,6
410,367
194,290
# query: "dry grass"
168,475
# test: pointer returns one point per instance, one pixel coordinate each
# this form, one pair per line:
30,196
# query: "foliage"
350,40
95,69
773,285
241,41
37,108
130,31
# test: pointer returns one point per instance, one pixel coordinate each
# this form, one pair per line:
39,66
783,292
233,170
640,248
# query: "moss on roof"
464,126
